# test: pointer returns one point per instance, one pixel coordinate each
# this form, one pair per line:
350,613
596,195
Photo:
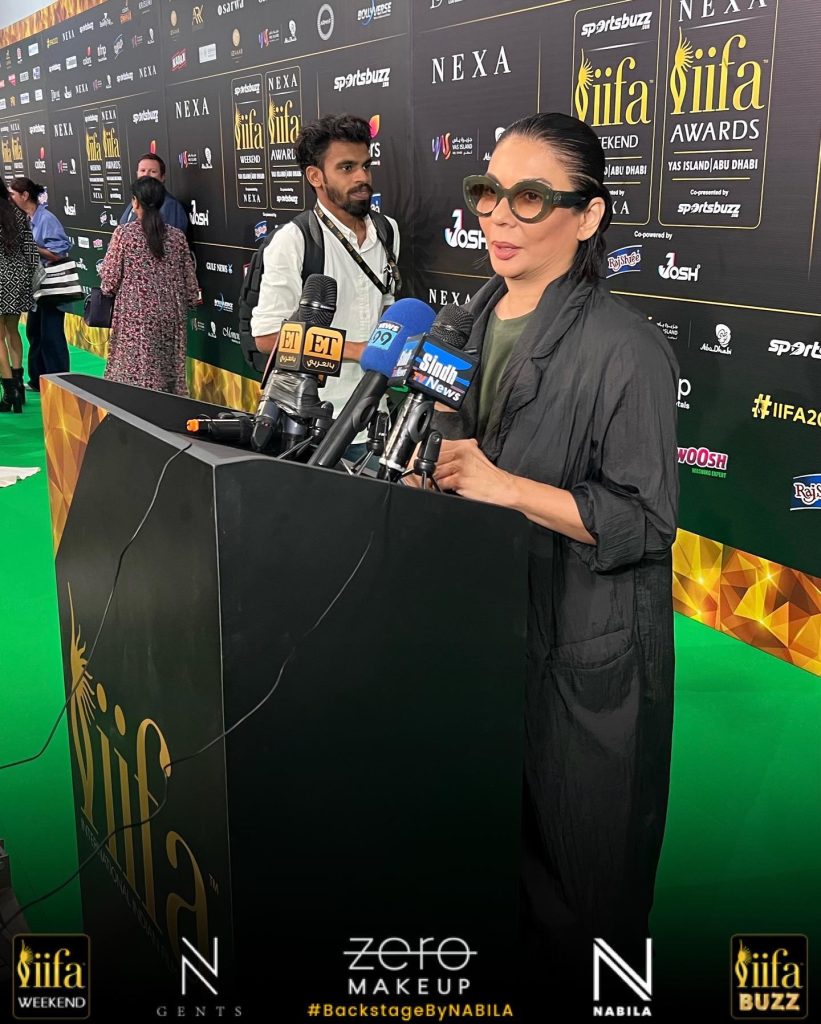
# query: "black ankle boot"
17,374
12,400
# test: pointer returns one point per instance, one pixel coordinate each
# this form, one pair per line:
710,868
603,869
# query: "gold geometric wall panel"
750,598
68,422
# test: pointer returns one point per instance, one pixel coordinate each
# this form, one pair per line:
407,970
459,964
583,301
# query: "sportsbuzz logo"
768,977
640,985
50,979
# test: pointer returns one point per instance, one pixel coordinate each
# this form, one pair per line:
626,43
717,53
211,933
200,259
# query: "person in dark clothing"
571,421
45,326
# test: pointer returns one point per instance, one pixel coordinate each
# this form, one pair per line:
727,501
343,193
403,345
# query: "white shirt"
359,302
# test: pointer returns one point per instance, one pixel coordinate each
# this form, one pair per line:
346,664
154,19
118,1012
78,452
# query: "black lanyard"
392,270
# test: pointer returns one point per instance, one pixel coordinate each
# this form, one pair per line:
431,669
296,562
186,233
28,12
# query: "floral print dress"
148,339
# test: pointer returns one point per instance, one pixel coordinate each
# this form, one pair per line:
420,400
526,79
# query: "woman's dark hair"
11,236
313,141
150,194
20,185
579,151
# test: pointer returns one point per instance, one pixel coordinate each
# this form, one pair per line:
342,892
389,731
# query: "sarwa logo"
51,977
106,745
769,977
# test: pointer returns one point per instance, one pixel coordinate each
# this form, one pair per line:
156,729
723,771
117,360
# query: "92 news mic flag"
317,306
405,319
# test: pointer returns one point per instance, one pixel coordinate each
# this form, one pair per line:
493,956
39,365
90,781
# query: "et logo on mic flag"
316,350
434,369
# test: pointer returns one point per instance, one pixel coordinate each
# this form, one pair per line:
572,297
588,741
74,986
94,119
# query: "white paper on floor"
11,474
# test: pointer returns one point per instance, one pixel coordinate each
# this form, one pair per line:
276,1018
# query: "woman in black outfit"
18,258
572,422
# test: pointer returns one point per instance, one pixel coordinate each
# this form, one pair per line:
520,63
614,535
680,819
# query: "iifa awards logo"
768,977
50,978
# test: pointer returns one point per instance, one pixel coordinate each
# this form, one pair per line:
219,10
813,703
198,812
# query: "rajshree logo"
700,79
615,98
768,976
93,723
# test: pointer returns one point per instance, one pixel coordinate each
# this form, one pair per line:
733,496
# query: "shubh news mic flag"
436,369
308,347
404,321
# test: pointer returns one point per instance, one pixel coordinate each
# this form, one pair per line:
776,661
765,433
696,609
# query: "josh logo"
671,271
640,986
768,977
50,977
459,237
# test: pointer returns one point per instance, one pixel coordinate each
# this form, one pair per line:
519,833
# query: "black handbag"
98,309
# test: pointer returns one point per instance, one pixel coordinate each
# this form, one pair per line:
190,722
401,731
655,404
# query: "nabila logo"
458,237
608,97
50,972
769,976
670,271
198,218
641,986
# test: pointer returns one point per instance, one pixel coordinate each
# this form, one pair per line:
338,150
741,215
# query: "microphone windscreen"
399,322
317,304
453,325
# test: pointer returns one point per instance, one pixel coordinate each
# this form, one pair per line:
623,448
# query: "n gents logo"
50,977
768,976
603,953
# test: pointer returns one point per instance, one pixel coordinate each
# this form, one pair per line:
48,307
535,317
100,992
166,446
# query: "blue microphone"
405,319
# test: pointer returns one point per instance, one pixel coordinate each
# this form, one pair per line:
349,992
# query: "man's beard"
355,207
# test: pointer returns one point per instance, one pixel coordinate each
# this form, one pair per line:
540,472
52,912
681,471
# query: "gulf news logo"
50,979
768,977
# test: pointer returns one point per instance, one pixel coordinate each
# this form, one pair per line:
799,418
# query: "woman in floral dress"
148,268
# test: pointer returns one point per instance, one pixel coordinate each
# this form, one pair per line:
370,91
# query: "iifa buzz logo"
768,976
51,977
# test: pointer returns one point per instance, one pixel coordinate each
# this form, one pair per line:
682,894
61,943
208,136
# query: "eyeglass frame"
551,197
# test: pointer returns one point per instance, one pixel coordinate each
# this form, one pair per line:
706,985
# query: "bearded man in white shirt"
334,155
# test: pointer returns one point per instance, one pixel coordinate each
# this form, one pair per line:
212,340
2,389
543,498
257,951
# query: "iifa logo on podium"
768,977
51,977
641,986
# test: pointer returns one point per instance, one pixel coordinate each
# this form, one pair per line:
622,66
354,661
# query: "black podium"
355,839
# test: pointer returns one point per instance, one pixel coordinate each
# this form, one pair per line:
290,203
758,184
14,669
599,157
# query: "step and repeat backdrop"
710,117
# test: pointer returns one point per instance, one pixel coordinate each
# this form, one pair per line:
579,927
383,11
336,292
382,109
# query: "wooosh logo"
50,978
768,977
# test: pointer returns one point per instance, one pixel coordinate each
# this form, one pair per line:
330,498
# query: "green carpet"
744,829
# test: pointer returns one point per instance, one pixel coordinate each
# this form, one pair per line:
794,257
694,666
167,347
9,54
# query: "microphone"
401,322
436,369
307,347
234,429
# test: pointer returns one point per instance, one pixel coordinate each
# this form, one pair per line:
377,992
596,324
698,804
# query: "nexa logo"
194,107
453,69
641,986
